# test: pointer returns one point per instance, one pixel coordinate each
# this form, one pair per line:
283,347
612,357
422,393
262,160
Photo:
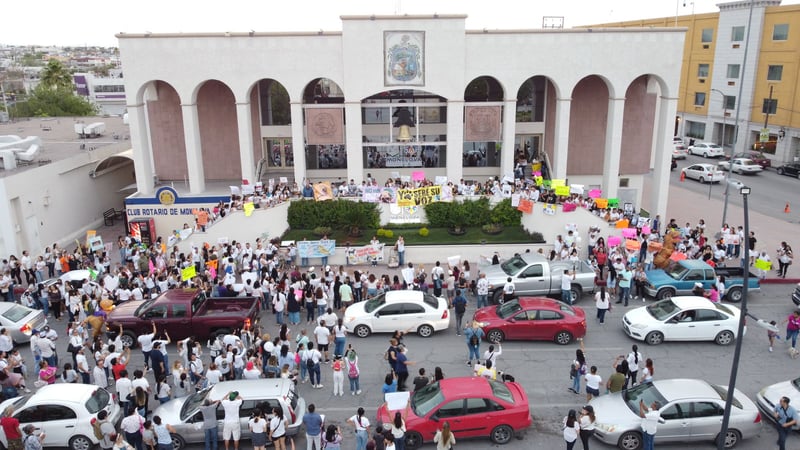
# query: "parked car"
679,151
677,140
679,277
183,313
20,321
769,397
473,406
791,169
704,173
184,414
532,318
398,310
535,275
796,298
740,165
683,319
757,157
64,414
691,411
706,149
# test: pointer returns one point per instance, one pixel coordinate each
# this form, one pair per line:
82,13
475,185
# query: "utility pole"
766,118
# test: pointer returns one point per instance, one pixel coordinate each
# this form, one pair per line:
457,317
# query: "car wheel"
732,437
563,337
654,338
665,293
128,339
362,331
734,295
497,297
495,336
413,440
501,434
724,337
705,155
780,171
425,331
80,442
575,293
702,180
630,440
177,442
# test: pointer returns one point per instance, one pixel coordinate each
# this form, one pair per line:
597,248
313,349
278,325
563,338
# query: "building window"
707,35
702,70
780,32
774,73
733,71
695,130
730,102
699,98
770,106
737,34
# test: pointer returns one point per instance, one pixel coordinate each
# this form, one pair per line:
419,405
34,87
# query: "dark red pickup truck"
183,313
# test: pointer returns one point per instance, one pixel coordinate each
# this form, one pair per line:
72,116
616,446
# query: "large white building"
223,107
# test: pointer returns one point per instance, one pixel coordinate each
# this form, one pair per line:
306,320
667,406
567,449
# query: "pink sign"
418,175
595,193
645,230
614,241
629,233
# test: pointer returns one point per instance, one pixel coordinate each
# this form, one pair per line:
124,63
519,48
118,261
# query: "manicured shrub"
424,232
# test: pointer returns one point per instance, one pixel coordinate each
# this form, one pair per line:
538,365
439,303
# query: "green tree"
56,76
47,102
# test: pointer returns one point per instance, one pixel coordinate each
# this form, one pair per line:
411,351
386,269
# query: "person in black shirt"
421,380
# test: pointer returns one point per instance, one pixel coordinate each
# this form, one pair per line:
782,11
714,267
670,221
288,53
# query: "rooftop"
60,141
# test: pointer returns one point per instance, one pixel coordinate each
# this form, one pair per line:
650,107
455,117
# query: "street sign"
764,136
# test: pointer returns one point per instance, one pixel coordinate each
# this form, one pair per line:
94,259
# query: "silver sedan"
20,321
691,411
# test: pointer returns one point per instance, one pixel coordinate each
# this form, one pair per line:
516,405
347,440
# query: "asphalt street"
542,369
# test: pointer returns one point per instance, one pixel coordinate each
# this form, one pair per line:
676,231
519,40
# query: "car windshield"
513,265
143,307
747,162
646,392
97,401
675,270
16,313
508,309
796,383
724,308
373,303
425,399
723,395
193,403
501,391
663,309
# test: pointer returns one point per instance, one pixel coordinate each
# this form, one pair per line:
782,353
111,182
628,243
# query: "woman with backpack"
338,375
577,370
353,372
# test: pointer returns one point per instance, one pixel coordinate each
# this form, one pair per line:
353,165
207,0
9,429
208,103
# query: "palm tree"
56,76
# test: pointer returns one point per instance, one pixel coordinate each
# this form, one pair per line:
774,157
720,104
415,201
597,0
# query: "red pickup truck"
183,313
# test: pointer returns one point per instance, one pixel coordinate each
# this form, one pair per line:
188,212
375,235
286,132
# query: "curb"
780,281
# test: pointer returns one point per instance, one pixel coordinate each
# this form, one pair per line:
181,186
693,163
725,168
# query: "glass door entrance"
278,152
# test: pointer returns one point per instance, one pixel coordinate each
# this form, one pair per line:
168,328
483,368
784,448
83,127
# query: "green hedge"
336,214
472,213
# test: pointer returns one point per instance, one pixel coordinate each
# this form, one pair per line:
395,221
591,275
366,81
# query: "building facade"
389,95
718,74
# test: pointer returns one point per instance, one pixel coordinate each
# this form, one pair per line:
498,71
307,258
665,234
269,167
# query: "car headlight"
638,326
607,427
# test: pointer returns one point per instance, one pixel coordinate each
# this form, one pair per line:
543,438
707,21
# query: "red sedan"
473,406
532,318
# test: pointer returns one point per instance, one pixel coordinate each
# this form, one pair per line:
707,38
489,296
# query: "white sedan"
741,165
704,173
398,310
679,151
687,318
707,149
20,321
63,414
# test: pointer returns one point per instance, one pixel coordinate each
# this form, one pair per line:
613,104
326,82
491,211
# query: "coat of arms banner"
404,58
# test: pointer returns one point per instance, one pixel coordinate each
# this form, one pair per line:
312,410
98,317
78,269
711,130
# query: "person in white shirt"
99,376
491,354
593,381
482,288
508,290
213,375
323,335
146,343
231,427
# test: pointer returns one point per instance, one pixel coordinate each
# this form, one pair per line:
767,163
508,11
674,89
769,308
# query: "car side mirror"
512,320
522,275
435,417
377,314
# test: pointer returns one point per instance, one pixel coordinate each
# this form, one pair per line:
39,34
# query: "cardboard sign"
188,273
595,193
629,233
558,182
418,175
601,203
561,190
569,207
614,241
622,223
632,244
525,205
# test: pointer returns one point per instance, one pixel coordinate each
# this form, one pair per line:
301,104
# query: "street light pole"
726,416
724,111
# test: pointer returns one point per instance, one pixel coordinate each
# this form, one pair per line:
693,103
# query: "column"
142,161
194,152
455,140
663,156
245,125
298,143
507,154
353,133
613,147
561,139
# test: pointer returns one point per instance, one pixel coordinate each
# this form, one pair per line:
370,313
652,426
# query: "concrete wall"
640,106
166,133
587,127
216,111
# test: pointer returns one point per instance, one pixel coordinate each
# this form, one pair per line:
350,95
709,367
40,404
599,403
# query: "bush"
424,232
492,228
505,214
322,231
337,214
380,232
537,238
389,234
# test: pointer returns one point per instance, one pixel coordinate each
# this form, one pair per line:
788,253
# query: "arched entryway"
219,133
483,128
323,114
165,118
587,126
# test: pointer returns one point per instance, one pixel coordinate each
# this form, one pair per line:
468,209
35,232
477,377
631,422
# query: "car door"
681,326
519,325
705,418
531,281
478,417
709,323
387,318
693,171
453,412
546,324
412,317
676,426
177,322
58,423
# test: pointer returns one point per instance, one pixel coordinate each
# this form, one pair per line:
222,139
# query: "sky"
95,22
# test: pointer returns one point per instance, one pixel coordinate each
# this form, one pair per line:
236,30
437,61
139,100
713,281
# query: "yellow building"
719,68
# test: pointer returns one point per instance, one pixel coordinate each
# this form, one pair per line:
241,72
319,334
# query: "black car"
791,169
796,295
